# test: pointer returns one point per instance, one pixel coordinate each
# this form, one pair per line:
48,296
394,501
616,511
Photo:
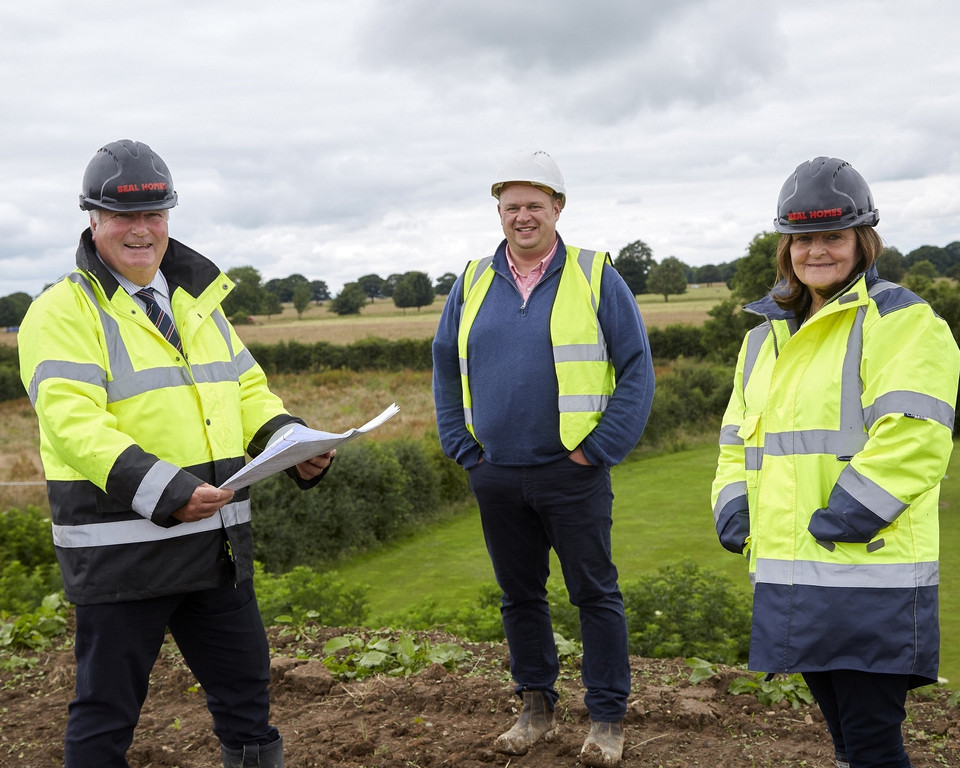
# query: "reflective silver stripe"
224,327
871,495
585,262
212,373
911,404
729,436
813,441
147,380
851,388
244,362
755,339
482,265
579,353
142,531
467,416
235,513
120,363
87,373
152,486
728,493
463,366
860,575
583,403
753,459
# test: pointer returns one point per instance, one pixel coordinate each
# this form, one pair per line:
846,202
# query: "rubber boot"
254,755
537,722
603,746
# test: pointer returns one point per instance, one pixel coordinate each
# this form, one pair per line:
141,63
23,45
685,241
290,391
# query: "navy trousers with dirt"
222,639
526,511
864,712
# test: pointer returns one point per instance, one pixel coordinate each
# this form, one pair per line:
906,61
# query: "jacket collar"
768,308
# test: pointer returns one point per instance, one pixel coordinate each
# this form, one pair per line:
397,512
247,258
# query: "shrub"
478,621
359,504
25,536
301,591
675,341
375,493
685,611
10,385
23,588
691,396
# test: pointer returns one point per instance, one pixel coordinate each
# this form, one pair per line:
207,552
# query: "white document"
297,444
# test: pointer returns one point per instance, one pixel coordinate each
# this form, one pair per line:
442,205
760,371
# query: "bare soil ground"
443,717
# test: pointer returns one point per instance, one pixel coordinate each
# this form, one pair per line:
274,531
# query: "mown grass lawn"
661,515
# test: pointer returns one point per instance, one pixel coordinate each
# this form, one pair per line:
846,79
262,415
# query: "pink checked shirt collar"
525,283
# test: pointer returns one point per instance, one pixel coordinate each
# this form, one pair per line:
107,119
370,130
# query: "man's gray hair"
95,214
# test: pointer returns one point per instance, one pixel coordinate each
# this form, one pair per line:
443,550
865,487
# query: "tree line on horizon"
754,273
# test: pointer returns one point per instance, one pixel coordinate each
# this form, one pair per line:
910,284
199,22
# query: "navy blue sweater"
513,381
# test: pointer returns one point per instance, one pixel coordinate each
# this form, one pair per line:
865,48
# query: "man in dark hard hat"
147,402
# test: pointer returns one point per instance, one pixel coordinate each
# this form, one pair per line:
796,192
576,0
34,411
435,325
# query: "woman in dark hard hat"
832,449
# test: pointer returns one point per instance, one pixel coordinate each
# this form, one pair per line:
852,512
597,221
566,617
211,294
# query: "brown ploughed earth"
450,717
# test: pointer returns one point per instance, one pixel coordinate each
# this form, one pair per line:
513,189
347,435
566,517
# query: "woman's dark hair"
793,295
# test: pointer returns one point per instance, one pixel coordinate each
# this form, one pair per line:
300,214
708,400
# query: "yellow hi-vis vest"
585,375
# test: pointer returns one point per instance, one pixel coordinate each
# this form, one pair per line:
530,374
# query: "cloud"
341,139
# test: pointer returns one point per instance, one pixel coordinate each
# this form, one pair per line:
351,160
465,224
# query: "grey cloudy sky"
336,139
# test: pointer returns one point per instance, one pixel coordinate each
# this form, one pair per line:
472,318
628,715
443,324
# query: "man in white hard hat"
543,380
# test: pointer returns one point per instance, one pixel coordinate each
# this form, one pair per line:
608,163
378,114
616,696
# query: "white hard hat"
530,166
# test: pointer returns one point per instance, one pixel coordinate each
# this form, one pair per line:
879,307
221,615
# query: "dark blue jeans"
221,636
525,511
864,712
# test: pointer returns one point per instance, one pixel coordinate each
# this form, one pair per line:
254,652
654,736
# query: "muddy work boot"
537,722
603,747
254,755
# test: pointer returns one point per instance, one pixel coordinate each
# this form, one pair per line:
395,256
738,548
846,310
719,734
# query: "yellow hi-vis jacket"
585,374
832,449
129,428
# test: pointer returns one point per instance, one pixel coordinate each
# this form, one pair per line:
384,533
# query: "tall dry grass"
333,401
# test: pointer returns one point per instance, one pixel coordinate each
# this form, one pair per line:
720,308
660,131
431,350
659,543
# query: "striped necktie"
161,319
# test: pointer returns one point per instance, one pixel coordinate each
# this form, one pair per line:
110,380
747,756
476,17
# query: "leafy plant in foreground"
790,688
35,630
353,657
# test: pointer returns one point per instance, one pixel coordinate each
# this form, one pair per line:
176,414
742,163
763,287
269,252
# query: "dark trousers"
525,511
221,636
864,713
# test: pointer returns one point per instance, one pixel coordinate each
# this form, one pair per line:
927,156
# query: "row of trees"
254,297
635,262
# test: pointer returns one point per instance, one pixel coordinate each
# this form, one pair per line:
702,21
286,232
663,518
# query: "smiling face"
824,261
529,218
131,242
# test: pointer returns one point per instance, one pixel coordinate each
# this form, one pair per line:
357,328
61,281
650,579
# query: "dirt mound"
441,717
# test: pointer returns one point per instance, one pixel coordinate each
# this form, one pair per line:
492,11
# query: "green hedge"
367,354
28,564
374,493
676,341
10,385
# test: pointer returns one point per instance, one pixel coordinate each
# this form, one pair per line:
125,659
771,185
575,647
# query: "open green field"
382,319
661,515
